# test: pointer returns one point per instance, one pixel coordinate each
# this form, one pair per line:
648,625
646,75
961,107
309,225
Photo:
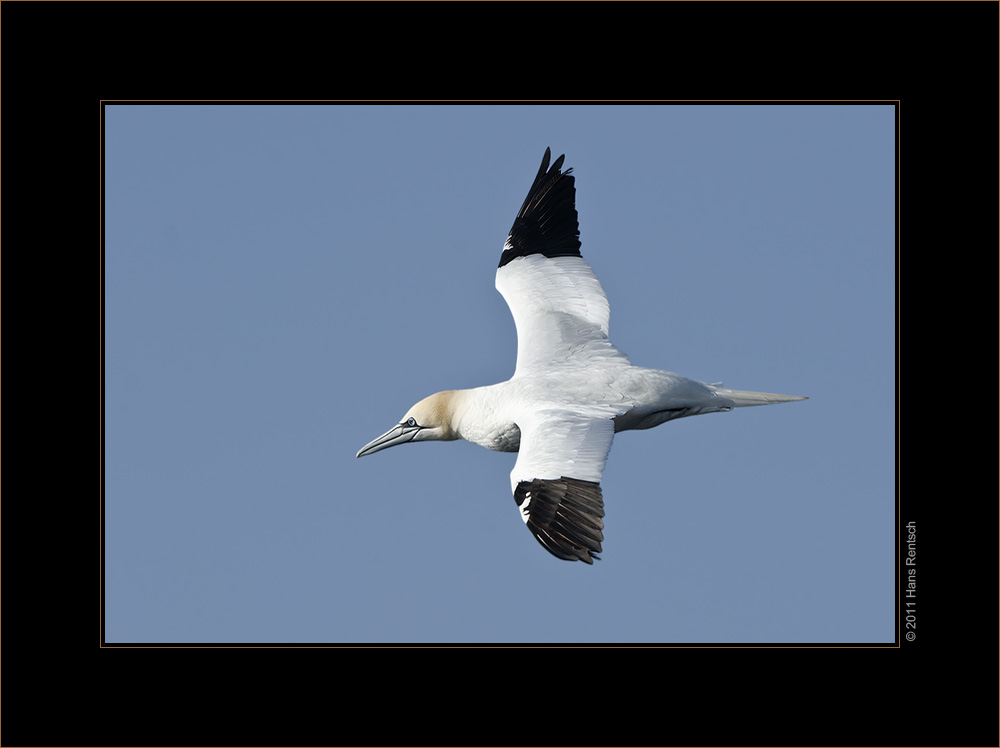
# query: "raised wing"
559,308
556,481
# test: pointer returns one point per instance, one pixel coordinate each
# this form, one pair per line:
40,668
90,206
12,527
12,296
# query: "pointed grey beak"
399,434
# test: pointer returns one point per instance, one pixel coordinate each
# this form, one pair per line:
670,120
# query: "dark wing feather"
547,222
564,515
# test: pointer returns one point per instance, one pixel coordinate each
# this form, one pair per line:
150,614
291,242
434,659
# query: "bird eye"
411,421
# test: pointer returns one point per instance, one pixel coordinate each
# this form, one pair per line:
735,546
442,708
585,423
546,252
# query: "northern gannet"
571,391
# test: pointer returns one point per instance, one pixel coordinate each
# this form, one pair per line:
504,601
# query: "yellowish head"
431,419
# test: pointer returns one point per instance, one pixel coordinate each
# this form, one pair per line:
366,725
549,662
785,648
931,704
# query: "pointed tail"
744,398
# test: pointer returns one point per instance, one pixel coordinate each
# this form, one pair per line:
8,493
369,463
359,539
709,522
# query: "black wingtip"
565,516
547,223
545,162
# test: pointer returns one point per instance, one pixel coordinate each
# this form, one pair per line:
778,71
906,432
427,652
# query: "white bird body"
572,389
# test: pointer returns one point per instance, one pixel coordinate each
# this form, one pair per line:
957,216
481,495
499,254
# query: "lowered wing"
556,481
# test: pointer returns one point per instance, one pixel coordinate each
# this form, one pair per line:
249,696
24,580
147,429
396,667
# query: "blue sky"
283,282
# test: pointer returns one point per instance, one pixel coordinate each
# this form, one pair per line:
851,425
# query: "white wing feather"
562,443
560,311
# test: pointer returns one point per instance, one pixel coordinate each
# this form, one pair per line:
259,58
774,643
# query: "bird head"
428,420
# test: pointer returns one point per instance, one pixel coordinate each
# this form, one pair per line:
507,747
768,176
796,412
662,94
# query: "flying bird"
572,390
